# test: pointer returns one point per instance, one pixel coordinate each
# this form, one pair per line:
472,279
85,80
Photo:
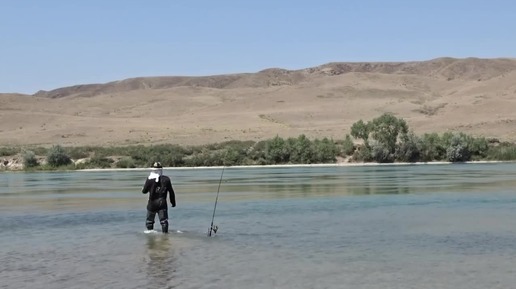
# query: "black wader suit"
158,201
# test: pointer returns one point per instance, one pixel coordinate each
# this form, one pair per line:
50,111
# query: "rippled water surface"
397,226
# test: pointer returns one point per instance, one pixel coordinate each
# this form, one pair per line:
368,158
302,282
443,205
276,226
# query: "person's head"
157,168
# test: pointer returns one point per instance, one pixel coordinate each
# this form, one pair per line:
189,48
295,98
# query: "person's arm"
171,192
146,187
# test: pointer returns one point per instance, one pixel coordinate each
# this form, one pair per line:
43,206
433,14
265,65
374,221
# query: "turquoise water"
395,226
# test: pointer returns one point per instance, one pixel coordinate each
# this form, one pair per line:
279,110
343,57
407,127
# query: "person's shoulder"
165,178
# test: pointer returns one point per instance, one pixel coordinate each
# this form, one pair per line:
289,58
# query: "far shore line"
297,165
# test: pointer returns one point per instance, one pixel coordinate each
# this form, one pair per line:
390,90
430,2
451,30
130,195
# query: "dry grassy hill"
476,96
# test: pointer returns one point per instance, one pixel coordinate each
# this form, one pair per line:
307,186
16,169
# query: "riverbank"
302,165
16,164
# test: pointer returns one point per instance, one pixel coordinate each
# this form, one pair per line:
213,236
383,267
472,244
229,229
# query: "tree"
276,151
360,130
431,147
381,153
478,146
301,150
386,129
324,151
409,150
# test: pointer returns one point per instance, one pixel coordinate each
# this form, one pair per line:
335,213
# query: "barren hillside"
476,96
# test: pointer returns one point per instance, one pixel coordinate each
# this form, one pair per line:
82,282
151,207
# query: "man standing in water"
157,185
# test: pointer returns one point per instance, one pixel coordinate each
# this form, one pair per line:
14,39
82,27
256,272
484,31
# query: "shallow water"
397,226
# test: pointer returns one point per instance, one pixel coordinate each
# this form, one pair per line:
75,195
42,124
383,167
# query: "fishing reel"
214,229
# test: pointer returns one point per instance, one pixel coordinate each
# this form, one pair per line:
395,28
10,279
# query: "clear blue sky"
47,44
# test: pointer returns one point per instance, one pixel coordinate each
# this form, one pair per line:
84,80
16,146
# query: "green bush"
324,151
99,161
409,150
256,153
80,152
57,157
348,147
385,139
29,159
502,152
125,163
392,141
432,148
478,147
233,156
172,159
40,151
458,153
362,154
8,151
301,150
277,151
205,158
458,149
381,153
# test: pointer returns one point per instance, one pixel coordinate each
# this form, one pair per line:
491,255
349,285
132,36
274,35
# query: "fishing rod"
215,228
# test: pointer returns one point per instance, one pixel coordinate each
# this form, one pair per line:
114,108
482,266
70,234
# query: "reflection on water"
333,179
160,262
121,189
